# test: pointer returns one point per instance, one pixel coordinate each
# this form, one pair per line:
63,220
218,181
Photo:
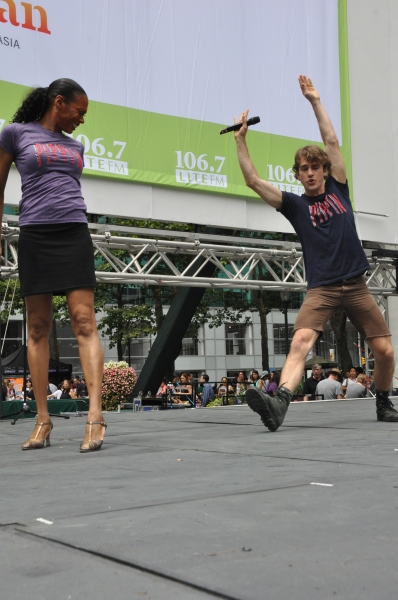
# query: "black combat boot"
385,410
272,409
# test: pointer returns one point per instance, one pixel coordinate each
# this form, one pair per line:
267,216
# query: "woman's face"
70,115
241,376
183,379
66,385
224,381
255,376
353,373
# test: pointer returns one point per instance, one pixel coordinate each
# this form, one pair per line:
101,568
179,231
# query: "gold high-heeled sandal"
33,443
92,445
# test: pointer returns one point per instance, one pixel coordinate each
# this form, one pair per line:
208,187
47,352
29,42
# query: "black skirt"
53,259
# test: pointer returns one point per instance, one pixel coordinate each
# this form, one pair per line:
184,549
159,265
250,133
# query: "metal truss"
169,258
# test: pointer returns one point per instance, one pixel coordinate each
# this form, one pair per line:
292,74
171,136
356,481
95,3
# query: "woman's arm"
5,165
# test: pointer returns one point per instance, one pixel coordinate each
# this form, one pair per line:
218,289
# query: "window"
236,338
12,337
279,338
191,341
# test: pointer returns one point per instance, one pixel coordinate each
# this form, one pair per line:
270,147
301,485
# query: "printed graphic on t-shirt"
50,153
325,210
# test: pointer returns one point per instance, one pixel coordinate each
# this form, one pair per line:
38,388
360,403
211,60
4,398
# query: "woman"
55,254
352,378
184,393
255,379
241,387
273,383
224,387
29,393
66,392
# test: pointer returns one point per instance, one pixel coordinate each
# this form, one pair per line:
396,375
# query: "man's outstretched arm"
326,129
265,190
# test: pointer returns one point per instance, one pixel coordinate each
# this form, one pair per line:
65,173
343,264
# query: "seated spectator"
11,392
66,392
241,386
207,393
162,388
331,386
273,384
183,393
311,383
84,391
29,393
352,378
254,378
225,388
357,389
78,386
264,379
51,388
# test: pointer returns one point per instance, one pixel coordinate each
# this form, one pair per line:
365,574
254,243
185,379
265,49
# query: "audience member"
264,380
207,393
225,388
357,389
331,386
66,392
162,389
273,384
311,383
241,386
183,393
352,378
254,378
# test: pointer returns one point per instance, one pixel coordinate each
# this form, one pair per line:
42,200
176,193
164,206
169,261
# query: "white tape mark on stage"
44,521
324,484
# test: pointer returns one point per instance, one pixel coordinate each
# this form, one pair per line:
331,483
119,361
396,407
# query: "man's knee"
382,349
303,340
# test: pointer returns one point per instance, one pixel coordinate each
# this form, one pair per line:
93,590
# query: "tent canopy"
324,362
14,365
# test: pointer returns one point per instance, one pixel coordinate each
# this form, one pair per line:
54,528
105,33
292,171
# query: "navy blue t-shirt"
326,228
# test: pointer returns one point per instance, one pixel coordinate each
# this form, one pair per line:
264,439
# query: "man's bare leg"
272,410
292,372
384,369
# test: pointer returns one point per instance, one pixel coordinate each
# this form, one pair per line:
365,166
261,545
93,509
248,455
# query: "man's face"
312,177
316,373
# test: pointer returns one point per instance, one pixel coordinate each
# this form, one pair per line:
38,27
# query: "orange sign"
11,15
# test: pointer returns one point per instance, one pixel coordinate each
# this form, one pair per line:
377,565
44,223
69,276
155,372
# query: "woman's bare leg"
82,315
39,320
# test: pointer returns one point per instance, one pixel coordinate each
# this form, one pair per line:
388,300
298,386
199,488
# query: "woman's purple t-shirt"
50,165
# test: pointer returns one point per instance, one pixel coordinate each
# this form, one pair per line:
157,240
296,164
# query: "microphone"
236,126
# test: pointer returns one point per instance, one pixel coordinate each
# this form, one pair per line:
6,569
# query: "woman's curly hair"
39,99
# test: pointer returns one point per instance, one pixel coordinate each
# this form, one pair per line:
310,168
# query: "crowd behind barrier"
186,391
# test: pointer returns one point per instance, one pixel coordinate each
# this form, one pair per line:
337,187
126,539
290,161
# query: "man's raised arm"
326,129
265,190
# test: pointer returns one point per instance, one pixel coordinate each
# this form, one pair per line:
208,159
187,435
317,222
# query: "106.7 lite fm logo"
105,160
200,170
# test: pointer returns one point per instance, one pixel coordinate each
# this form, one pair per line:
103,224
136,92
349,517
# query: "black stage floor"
204,503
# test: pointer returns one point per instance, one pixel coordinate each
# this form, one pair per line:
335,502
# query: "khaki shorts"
354,297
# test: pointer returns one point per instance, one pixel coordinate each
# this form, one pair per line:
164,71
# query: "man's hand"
308,89
241,133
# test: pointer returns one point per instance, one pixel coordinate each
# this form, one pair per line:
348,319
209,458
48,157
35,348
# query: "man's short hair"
317,367
314,155
205,377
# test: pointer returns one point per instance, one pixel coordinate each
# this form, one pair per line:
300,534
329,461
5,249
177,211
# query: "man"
334,260
331,387
311,383
207,393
